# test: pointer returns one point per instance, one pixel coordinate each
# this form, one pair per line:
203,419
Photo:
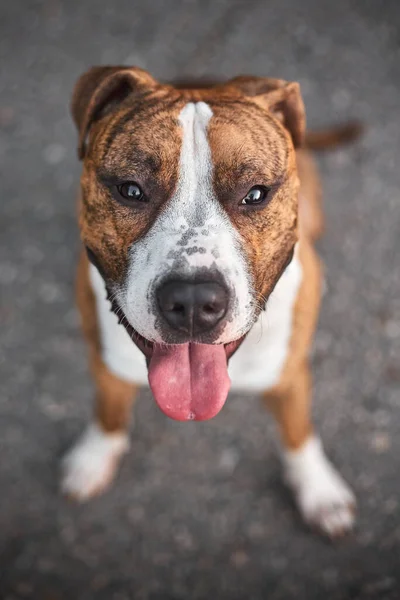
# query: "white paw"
91,464
324,499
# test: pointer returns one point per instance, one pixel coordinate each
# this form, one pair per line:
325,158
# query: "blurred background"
198,510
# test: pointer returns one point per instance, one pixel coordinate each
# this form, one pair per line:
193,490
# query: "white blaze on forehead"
195,164
193,232
194,202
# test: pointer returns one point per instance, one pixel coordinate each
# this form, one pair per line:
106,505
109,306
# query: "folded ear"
98,91
283,99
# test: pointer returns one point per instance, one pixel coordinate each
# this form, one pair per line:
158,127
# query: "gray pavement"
199,510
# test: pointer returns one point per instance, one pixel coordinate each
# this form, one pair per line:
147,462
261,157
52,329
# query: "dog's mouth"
148,348
189,381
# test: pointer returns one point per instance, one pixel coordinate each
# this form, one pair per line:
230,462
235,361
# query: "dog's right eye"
131,191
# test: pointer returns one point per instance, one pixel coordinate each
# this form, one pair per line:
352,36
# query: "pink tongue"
189,381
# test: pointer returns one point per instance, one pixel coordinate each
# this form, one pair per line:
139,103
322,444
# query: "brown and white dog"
198,210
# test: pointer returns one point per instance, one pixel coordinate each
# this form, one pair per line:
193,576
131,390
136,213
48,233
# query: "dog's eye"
256,195
131,191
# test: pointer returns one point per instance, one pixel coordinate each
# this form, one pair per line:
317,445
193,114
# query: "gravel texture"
198,510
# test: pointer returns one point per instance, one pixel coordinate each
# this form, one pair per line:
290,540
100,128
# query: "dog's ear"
98,91
283,99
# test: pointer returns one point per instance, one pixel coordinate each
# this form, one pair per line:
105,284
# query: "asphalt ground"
198,511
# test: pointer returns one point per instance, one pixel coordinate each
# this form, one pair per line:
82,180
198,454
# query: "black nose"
192,308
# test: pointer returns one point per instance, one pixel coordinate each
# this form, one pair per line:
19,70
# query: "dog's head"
188,209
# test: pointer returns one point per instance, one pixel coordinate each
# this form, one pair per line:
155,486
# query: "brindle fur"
128,130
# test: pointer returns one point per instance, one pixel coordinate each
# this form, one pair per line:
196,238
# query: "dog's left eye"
131,191
256,195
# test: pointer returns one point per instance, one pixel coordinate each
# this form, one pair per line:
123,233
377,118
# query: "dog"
198,212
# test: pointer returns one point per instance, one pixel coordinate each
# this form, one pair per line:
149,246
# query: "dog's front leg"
90,465
322,496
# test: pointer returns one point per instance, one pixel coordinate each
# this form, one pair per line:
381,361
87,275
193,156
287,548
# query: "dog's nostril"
209,308
178,308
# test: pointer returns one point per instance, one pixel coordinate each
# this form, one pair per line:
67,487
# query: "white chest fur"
257,364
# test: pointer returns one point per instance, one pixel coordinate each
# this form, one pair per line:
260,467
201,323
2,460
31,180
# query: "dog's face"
188,208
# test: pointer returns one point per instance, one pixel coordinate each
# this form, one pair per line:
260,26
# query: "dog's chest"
257,364
259,361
